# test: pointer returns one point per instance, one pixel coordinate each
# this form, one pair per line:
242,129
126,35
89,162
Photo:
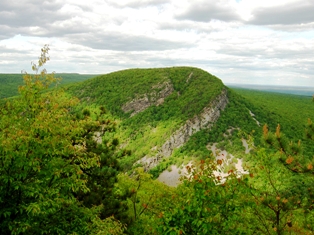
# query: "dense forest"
10,82
69,156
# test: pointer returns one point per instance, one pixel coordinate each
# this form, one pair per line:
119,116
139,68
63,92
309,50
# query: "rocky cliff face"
156,97
206,119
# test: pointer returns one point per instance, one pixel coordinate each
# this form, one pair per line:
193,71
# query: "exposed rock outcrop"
188,79
206,119
253,116
156,97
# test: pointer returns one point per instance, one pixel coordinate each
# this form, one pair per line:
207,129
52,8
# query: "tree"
205,205
283,185
101,179
276,197
44,162
147,199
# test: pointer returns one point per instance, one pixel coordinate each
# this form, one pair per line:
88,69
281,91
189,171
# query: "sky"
269,42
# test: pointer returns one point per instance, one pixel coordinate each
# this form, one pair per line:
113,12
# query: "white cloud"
246,41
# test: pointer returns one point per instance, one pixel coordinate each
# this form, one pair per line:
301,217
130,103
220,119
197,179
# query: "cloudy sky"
239,41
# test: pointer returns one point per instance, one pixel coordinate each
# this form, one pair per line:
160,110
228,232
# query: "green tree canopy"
44,162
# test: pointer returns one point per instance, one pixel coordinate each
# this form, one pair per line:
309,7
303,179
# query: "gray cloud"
29,13
17,17
138,3
122,42
6,32
293,27
267,52
190,26
39,18
208,10
288,14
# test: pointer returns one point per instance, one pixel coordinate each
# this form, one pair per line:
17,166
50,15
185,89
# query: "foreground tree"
44,162
283,186
147,199
101,179
205,205
276,197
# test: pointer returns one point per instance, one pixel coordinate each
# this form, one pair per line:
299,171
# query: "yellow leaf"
289,160
278,131
285,200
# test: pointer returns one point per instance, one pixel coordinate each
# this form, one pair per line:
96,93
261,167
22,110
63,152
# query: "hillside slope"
169,116
159,109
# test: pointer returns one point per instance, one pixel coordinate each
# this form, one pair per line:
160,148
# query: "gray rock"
205,119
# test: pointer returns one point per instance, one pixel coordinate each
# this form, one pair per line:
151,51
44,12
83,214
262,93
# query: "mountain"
248,157
169,116
159,109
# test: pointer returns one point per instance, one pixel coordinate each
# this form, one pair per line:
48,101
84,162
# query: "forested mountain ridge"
114,90
65,161
159,109
154,106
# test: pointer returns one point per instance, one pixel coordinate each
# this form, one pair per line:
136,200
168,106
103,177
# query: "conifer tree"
101,179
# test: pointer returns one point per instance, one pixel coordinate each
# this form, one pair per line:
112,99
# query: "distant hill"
9,83
294,90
